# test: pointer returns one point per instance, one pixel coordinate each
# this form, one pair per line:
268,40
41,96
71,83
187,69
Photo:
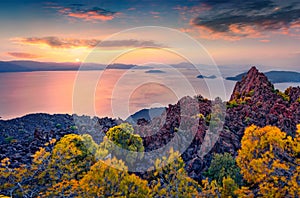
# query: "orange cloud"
250,19
234,33
69,43
265,41
98,14
244,31
56,42
187,12
206,33
91,16
23,55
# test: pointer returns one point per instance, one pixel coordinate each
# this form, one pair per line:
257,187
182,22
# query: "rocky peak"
253,83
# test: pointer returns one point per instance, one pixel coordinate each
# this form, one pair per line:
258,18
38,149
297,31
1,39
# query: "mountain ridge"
31,66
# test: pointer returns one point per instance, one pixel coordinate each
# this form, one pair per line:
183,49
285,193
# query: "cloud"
187,12
233,20
249,5
130,43
79,11
67,43
56,42
154,13
131,9
23,55
265,41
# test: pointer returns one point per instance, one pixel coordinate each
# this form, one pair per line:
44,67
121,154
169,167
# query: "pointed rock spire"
255,82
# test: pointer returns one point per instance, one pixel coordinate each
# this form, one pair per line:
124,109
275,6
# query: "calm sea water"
113,93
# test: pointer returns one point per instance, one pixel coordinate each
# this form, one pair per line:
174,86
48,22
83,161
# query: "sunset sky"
234,32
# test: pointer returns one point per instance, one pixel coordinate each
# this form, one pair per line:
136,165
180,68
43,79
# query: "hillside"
199,127
147,114
10,67
253,101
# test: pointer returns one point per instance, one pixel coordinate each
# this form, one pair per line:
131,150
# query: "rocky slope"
254,101
212,127
20,138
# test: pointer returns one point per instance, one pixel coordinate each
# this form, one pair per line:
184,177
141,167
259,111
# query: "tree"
269,160
111,179
121,142
70,159
26,180
213,189
228,187
65,188
224,166
12,179
169,178
210,189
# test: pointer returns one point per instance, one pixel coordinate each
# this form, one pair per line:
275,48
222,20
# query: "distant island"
31,66
208,77
154,71
274,76
147,114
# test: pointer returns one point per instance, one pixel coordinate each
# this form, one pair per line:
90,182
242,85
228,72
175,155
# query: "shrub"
284,96
269,161
250,93
169,179
10,139
232,104
247,119
121,139
224,166
74,128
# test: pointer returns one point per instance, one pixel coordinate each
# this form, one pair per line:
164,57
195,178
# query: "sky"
233,32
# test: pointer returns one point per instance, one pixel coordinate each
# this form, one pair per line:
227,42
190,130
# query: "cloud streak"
80,11
250,19
23,55
95,13
69,43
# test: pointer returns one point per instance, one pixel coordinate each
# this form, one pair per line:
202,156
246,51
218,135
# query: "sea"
113,93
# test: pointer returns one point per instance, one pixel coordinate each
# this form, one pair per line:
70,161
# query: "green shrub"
242,102
208,118
200,116
247,119
74,128
10,139
284,96
232,104
224,165
121,139
250,93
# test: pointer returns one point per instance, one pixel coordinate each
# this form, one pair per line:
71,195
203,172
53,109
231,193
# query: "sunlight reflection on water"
51,92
